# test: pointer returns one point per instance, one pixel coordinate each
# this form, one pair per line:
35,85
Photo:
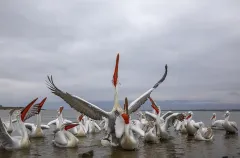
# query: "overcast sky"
77,42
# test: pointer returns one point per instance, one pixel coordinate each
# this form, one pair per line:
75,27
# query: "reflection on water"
178,146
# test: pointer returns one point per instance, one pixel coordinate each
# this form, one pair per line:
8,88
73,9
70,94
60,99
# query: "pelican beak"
188,116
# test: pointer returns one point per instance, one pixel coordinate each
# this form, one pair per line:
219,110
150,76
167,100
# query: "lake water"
177,146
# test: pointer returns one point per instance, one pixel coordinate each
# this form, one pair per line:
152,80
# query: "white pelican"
203,133
162,125
229,126
64,138
9,124
37,130
151,133
124,130
191,126
81,129
96,112
18,142
59,120
156,112
216,124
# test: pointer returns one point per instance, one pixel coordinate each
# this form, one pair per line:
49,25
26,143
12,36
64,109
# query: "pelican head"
227,114
213,116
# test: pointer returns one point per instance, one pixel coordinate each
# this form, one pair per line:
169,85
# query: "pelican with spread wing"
96,112
18,142
125,131
37,130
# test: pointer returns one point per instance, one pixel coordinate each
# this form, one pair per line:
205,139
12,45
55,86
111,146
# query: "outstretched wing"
136,104
77,103
5,138
43,127
29,126
166,114
171,119
150,116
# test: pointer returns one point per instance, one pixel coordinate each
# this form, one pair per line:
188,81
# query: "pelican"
59,121
9,124
191,126
216,124
81,129
163,125
229,126
64,138
37,130
18,142
203,133
96,112
151,133
156,113
124,130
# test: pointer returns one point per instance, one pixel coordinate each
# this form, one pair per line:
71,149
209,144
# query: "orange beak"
154,106
80,118
41,104
60,110
115,75
188,116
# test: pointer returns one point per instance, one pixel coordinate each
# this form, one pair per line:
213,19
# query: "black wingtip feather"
163,77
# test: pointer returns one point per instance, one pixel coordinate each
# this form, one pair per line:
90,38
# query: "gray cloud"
77,43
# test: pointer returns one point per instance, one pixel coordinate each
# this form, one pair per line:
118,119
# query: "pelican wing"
138,130
171,119
119,127
136,104
208,134
43,127
234,124
5,138
29,126
53,122
67,121
150,116
166,115
77,103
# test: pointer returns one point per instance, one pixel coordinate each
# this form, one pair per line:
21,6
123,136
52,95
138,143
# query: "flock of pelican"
120,129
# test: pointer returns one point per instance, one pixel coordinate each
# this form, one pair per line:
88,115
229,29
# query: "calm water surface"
177,146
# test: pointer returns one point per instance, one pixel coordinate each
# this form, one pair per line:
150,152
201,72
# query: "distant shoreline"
200,110
17,108
12,107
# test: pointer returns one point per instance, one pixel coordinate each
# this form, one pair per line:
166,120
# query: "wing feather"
5,138
166,115
234,124
77,103
43,127
136,104
29,126
150,116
